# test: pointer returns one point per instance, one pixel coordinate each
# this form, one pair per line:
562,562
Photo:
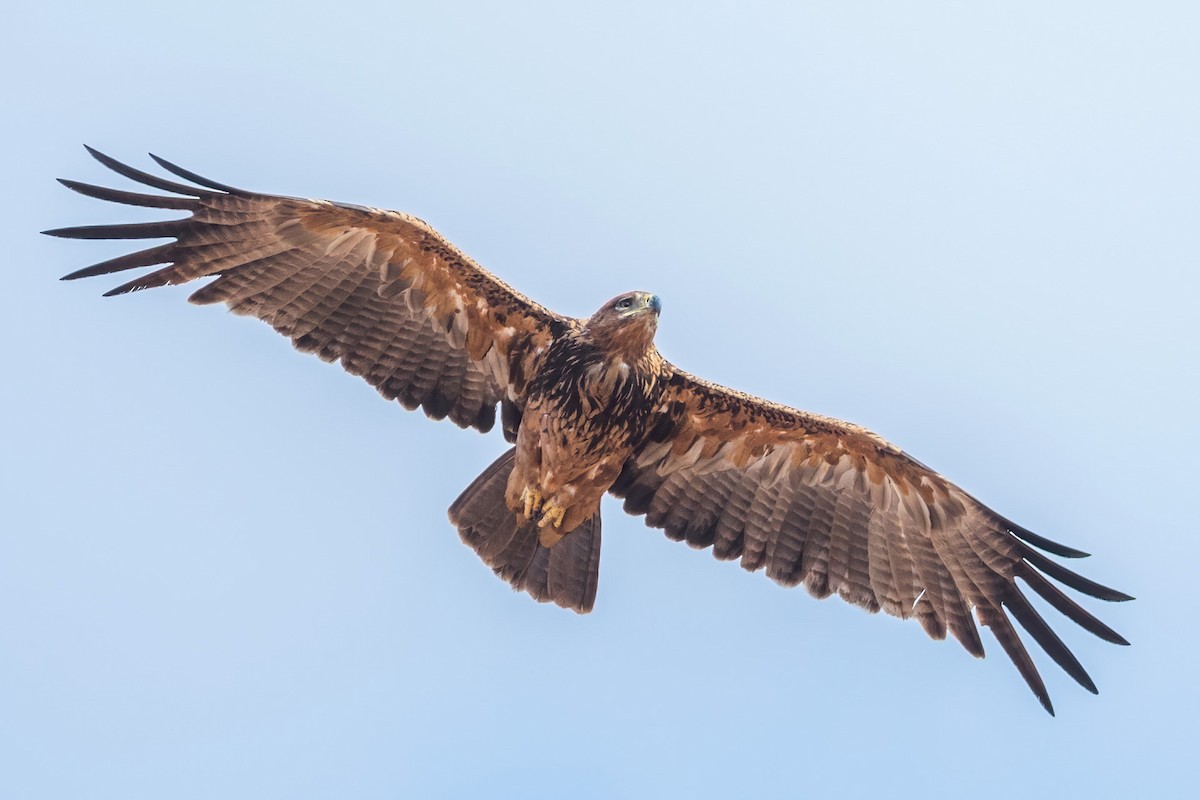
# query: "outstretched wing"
380,291
830,505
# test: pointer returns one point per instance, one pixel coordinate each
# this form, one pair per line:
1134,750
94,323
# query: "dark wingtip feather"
994,618
1068,607
127,288
142,177
142,258
1032,621
163,229
1072,579
1041,542
187,174
128,198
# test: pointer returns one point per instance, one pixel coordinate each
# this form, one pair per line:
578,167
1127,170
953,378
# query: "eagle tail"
565,574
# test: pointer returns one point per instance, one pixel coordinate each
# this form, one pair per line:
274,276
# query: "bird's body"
589,406
592,407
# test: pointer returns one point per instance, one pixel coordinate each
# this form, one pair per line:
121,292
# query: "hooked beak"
641,303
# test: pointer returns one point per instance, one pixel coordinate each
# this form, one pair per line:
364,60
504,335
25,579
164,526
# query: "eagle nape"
590,408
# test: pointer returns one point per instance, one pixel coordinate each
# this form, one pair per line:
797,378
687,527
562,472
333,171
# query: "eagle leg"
550,530
532,500
552,514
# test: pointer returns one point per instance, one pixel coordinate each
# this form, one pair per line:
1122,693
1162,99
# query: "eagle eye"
624,303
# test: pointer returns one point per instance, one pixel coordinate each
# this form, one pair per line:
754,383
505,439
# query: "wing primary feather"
138,230
128,198
142,258
142,177
1072,579
1041,542
1006,635
162,277
958,619
187,174
1069,608
1032,621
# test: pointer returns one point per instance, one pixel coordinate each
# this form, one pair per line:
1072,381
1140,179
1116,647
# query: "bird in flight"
591,407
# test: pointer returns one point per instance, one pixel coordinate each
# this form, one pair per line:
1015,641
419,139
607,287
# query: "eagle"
590,407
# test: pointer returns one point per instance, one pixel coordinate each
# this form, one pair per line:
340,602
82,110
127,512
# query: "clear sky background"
225,567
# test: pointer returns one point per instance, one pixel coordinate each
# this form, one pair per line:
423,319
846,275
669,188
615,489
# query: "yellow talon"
532,500
552,515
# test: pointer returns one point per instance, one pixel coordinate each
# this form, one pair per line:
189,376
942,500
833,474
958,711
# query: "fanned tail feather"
565,574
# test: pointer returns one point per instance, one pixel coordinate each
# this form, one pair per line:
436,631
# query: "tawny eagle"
591,407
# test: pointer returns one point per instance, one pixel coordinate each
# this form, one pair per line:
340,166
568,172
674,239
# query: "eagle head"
626,324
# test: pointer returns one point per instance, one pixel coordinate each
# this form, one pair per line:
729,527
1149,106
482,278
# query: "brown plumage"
592,407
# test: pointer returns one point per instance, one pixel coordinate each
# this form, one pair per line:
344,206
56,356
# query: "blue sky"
225,567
